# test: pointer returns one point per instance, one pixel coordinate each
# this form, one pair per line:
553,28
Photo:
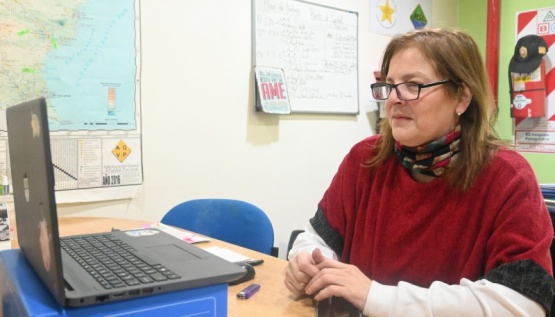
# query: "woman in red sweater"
434,216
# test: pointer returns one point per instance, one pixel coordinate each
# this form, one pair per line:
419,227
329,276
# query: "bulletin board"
317,48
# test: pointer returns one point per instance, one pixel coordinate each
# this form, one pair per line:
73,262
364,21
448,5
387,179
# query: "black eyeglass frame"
420,86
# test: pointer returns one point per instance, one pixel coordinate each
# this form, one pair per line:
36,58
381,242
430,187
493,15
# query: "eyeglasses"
405,91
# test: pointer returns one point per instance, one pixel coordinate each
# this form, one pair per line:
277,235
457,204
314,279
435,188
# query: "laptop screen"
33,191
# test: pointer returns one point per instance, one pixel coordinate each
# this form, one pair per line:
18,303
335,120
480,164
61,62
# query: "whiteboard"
317,48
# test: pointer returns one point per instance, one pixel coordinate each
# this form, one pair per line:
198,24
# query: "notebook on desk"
144,262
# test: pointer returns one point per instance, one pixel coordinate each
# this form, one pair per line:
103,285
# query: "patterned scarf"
432,158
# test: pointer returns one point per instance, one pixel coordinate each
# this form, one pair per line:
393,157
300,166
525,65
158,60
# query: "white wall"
201,136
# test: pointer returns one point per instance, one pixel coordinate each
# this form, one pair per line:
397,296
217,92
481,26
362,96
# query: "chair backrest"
230,220
292,239
551,208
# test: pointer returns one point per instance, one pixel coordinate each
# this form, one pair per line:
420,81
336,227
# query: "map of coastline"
80,54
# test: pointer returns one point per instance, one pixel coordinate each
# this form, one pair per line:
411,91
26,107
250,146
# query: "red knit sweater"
395,229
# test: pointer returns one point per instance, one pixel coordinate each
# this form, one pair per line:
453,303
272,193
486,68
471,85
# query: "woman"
434,216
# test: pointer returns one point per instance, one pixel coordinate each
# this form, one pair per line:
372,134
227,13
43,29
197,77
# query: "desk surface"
273,299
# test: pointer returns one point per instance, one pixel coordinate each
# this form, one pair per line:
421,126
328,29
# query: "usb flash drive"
248,291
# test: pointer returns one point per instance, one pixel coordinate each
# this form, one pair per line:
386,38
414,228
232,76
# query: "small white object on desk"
227,254
183,235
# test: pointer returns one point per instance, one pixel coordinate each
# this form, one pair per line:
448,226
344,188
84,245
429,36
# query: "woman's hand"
300,271
334,278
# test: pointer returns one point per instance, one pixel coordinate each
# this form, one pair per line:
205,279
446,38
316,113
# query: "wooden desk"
273,299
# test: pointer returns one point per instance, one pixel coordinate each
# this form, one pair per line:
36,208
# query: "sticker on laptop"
142,233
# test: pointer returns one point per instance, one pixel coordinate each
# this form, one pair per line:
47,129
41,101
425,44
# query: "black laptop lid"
33,191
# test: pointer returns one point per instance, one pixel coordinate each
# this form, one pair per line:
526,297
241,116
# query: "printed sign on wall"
271,91
392,17
538,134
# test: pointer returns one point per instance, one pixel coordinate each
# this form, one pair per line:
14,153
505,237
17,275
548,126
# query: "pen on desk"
254,262
248,291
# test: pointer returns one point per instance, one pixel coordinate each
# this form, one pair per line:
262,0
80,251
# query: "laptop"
154,261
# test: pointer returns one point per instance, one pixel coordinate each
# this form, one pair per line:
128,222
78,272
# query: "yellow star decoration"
387,12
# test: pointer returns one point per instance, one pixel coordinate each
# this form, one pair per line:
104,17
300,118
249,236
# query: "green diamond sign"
418,18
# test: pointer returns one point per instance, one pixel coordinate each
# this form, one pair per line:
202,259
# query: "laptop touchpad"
172,253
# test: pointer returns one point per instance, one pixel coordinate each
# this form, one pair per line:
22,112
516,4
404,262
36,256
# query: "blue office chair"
230,220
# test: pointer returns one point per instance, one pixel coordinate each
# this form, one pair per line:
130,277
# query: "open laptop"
167,263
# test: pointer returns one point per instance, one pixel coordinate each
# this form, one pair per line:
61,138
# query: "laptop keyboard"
112,263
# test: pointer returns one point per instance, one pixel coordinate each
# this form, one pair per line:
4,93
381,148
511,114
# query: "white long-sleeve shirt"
469,298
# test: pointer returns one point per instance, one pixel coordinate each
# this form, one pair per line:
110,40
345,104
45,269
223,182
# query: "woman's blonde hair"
455,56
